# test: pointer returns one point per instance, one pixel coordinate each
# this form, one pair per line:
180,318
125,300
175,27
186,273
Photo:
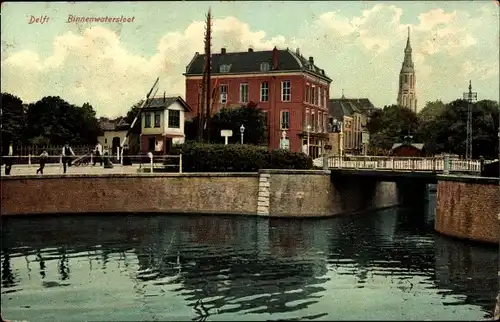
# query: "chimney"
311,60
275,58
250,50
223,51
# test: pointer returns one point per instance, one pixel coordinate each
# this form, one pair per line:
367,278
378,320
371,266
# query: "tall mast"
208,67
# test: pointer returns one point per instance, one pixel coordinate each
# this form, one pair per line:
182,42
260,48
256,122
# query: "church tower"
407,96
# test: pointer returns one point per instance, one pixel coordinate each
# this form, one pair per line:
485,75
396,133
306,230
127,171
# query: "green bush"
202,157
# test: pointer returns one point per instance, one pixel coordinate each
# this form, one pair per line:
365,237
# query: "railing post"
150,155
446,165
29,159
325,161
364,162
91,157
180,163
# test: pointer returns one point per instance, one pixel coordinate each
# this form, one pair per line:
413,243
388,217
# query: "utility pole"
208,53
470,97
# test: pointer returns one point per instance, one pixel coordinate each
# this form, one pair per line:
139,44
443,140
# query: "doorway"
168,145
115,144
151,144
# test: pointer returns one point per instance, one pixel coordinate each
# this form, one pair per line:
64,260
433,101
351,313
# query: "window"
264,91
285,120
223,94
314,98
147,119
174,119
411,80
306,119
157,119
325,128
244,93
308,93
264,67
320,96
317,95
320,122
286,91
325,97
406,79
313,122
224,68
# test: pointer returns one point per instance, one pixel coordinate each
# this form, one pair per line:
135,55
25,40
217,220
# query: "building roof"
250,62
164,102
418,146
340,107
118,124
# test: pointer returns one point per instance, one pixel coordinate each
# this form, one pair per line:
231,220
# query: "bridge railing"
434,164
143,161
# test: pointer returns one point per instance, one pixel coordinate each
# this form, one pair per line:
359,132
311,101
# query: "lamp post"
242,131
337,128
308,128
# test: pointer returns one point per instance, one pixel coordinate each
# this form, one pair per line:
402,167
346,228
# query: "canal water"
387,264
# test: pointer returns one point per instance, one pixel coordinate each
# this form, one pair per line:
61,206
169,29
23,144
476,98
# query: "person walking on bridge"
98,153
66,154
43,159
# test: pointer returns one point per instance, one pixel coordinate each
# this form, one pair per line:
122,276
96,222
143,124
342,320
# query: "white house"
113,133
162,124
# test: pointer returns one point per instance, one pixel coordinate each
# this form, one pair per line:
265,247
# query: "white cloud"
362,54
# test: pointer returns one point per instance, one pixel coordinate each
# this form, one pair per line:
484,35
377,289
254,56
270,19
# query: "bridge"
398,167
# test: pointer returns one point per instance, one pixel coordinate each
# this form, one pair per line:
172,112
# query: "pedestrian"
66,154
43,159
98,153
9,159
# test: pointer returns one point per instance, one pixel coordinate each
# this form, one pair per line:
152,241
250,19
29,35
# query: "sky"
359,44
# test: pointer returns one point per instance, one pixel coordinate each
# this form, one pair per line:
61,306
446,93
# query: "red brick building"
408,150
291,89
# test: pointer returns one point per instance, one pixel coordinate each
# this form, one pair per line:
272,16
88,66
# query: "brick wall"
468,207
274,193
193,193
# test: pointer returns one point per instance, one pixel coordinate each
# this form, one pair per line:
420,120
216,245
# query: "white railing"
146,161
433,164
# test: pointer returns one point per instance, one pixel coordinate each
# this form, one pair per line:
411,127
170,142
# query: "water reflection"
382,265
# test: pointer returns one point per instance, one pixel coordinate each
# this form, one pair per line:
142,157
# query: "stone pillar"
263,196
446,165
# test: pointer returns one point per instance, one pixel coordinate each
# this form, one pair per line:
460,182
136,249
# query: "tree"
431,110
13,119
250,116
390,125
447,131
52,120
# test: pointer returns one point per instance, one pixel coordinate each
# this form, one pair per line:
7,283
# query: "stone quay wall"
468,207
273,193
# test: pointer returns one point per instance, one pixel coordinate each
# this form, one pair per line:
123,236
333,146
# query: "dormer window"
224,68
264,67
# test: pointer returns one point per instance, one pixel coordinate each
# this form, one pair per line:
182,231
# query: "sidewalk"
56,169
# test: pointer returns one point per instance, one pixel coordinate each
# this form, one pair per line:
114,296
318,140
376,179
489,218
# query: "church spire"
408,46
407,96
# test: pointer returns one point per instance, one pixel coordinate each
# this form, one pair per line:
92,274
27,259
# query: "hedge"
202,157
